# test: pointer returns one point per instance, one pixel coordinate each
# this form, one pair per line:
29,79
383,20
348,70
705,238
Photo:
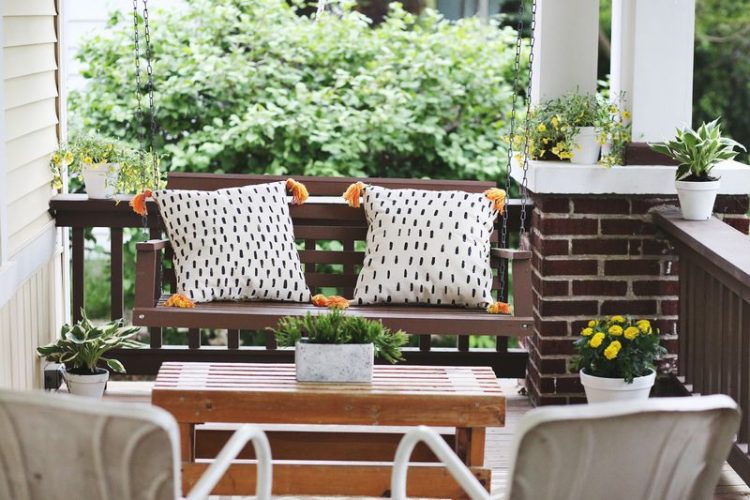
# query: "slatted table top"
269,393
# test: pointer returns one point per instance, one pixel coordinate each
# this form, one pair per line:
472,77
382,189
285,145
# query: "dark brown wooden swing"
325,217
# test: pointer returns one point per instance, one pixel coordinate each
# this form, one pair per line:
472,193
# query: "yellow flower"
612,350
644,326
565,155
615,330
617,319
631,332
67,158
555,121
56,159
592,323
541,127
586,332
596,340
626,115
87,160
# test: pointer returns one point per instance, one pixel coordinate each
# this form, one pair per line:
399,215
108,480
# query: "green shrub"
249,86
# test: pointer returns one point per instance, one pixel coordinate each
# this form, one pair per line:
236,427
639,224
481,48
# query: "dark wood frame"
324,218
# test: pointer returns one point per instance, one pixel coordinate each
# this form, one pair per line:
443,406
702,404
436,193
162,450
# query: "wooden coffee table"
316,450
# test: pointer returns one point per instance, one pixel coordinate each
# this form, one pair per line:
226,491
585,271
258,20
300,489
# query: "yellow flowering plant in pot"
107,166
616,358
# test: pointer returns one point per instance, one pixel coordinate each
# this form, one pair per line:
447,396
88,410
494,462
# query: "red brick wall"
597,256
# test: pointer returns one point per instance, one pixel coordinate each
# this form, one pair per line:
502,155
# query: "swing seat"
322,223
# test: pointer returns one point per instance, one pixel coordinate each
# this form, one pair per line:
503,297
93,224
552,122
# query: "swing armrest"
148,272
510,254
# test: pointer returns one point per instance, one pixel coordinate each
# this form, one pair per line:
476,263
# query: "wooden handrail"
714,315
718,242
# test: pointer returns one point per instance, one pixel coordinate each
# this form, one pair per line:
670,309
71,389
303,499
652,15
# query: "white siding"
27,321
30,99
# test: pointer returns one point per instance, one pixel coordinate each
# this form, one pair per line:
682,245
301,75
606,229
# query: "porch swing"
323,219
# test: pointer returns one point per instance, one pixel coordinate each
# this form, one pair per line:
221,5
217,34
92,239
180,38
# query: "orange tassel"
353,194
179,300
498,308
298,190
332,302
497,196
138,203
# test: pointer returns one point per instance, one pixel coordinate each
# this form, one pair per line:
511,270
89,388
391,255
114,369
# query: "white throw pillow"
426,247
234,244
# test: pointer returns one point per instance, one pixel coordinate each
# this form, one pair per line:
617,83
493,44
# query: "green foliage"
252,87
337,327
698,151
81,346
138,170
554,124
617,347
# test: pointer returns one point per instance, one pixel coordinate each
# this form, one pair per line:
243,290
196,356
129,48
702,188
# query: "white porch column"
566,49
652,62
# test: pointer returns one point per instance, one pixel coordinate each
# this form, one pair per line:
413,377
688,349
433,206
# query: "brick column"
598,255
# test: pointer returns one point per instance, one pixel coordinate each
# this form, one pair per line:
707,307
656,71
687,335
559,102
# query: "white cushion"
234,244
426,247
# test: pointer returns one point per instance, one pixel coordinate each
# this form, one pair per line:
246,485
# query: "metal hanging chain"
525,181
136,42
508,178
150,72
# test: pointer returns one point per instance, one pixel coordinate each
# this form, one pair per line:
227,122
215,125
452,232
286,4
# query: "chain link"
138,106
150,72
516,77
525,181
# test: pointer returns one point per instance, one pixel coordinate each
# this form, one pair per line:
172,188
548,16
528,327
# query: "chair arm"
148,272
510,254
440,448
229,452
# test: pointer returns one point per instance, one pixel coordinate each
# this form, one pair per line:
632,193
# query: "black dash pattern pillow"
426,247
234,244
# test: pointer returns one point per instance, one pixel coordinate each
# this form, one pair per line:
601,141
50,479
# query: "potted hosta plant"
336,347
106,166
616,359
80,348
697,153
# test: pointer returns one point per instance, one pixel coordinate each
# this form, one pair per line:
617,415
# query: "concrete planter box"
334,362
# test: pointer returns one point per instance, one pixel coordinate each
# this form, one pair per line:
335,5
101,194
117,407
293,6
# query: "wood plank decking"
499,441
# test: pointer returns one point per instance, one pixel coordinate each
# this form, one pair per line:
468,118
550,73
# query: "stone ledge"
549,177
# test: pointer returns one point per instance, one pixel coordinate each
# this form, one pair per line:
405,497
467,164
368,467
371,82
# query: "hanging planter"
698,152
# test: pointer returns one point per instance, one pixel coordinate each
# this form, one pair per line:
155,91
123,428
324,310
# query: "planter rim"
698,185
617,384
100,376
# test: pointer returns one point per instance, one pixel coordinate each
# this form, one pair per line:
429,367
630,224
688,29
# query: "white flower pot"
602,390
697,198
585,147
100,180
334,362
91,386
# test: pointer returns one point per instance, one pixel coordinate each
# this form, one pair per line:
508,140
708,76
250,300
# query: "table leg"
470,443
187,441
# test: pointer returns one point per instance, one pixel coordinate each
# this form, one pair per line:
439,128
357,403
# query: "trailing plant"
617,347
338,327
136,170
81,346
555,123
698,151
250,86
615,129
